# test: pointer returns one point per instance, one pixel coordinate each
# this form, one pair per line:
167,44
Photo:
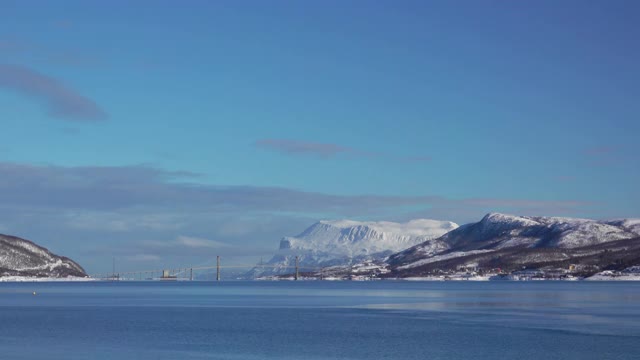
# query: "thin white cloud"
194,242
142,257
123,221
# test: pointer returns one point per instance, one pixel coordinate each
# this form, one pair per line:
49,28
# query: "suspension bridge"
187,273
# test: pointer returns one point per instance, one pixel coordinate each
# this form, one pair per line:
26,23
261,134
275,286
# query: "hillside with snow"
23,258
507,241
340,242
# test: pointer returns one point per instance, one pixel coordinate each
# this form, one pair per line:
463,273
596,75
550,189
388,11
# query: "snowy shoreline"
44,279
627,275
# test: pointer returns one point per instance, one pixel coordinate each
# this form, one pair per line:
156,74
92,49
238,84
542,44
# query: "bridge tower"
218,268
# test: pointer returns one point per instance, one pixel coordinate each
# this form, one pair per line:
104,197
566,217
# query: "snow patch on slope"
442,257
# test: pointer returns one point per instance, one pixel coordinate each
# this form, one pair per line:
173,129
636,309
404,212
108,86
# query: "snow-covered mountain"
20,257
499,231
339,242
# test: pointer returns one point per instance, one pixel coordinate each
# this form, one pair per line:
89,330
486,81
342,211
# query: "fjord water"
320,320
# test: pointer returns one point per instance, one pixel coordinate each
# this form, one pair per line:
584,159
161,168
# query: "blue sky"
119,119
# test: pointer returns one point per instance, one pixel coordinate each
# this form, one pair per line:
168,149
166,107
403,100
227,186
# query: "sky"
165,133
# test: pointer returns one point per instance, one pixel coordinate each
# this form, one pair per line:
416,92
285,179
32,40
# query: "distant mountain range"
422,247
20,257
340,242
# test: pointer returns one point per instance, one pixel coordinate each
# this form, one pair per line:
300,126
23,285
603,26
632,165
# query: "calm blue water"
320,320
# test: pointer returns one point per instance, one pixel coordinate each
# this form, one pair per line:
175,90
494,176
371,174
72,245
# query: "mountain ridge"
497,233
21,257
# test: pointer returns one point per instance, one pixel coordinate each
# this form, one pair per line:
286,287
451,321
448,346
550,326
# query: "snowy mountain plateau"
23,258
343,242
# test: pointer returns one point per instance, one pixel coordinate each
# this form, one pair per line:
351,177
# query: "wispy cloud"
564,178
188,246
63,24
142,257
122,221
60,101
471,210
182,241
20,50
87,191
9,47
328,150
605,156
295,147
416,159
599,150
526,204
117,188
195,242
